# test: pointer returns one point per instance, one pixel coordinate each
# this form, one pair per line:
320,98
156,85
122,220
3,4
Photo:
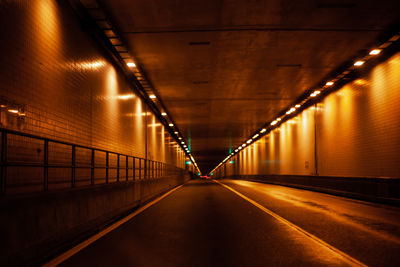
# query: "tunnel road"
243,223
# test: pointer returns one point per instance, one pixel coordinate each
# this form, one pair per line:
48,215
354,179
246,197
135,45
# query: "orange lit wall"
68,88
357,134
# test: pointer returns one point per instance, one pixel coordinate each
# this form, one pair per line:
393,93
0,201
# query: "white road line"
345,256
69,253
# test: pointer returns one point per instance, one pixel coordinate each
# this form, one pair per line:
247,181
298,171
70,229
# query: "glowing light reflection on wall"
139,121
111,91
92,65
49,31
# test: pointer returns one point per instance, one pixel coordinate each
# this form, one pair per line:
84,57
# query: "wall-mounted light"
15,111
125,97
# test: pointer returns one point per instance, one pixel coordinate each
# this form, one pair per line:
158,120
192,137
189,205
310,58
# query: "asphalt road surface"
242,223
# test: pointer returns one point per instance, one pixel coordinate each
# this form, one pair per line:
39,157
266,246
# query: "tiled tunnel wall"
66,89
353,132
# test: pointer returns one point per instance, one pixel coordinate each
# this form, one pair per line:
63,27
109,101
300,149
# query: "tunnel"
200,133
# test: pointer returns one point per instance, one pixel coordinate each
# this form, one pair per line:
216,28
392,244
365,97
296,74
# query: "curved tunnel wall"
353,132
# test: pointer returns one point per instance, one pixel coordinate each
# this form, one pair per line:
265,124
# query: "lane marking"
347,257
69,253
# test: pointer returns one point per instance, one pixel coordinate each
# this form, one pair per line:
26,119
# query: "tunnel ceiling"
225,68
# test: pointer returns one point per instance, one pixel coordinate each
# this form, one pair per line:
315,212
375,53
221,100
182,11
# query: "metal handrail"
147,169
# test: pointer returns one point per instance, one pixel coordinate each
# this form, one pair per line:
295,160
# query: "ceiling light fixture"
291,111
171,125
375,52
315,93
359,63
131,64
329,83
163,114
152,96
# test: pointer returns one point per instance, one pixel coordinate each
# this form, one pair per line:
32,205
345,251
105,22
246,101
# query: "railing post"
144,176
117,168
146,169
92,168
73,166
107,167
3,162
140,168
134,167
46,165
126,168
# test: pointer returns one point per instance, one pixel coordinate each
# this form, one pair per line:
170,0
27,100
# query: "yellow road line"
69,253
346,257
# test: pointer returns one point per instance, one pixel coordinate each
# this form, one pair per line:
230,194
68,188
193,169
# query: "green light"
231,162
199,173
212,173
187,162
